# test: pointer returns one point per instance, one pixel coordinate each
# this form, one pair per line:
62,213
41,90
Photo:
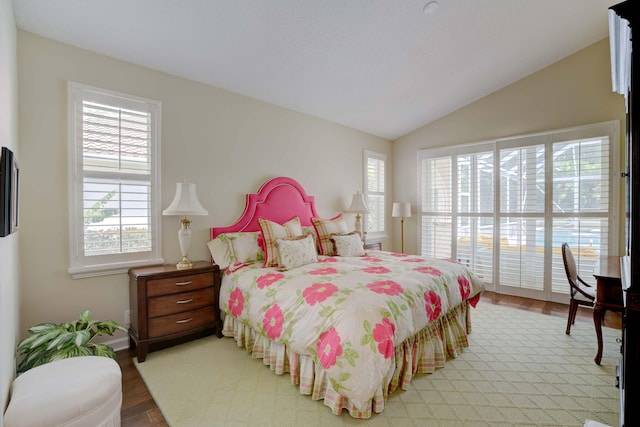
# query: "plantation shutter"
505,207
114,146
375,193
116,160
437,207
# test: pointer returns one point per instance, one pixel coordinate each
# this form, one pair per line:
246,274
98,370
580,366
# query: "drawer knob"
185,320
184,301
184,283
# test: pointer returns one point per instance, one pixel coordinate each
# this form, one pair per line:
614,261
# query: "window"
505,207
114,148
375,186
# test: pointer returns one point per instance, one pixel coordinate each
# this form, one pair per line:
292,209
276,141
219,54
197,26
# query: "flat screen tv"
8,193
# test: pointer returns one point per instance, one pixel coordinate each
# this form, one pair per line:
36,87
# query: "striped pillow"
272,231
325,228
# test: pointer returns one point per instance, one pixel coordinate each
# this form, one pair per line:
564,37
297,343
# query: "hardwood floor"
138,407
140,410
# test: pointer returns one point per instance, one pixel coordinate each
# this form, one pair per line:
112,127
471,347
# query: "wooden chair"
581,292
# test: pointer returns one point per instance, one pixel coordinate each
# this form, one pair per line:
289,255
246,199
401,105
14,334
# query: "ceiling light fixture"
430,7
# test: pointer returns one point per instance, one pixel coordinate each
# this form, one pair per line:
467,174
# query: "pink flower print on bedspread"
432,304
465,287
268,279
377,269
387,287
236,302
272,322
329,348
319,292
397,255
383,336
429,270
323,271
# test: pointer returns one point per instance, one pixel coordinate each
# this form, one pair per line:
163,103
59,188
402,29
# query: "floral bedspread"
348,313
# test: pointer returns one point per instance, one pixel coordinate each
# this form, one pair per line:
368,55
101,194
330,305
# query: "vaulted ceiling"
385,67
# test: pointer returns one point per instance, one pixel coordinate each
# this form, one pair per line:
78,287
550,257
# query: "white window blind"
114,165
375,193
505,207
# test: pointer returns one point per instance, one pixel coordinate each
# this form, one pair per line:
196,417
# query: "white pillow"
220,252
235,249
295,252
245,248
348,244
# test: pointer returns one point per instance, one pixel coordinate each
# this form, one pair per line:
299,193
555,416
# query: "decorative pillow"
310,229
272,231
245,247
235,249
296,251
348,244
220,251
325,228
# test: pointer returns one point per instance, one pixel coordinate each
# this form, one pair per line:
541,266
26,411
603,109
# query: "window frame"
370,154
80,265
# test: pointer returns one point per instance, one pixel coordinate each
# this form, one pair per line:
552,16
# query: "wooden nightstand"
374,245
167,303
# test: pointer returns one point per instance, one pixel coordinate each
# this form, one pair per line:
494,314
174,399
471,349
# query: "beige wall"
227,144
574,91
9,260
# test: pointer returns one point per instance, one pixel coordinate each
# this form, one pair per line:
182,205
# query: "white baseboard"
118,344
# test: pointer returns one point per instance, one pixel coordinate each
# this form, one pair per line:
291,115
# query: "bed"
350,327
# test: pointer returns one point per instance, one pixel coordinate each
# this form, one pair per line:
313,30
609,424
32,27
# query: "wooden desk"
608,294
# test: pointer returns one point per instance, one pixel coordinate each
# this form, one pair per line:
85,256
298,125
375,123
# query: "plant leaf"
103,350
82,337
41,327
45,337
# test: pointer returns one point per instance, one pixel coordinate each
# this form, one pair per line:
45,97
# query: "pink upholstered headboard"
278,200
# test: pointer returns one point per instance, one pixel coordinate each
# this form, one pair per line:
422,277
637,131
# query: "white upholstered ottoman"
79,391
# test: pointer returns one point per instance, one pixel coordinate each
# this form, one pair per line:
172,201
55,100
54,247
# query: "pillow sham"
272,231
220,252
296,251
325,228
348,244
235,249
245,248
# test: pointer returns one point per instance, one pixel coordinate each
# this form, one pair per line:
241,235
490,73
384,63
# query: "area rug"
520,370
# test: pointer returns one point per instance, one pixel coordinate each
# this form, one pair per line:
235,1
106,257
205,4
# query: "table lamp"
358,206
185,203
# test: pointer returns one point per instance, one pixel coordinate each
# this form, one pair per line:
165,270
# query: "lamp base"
185,264
358,226
184,237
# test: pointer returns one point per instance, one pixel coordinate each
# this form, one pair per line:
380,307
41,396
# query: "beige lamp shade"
185,202
401,210
358,204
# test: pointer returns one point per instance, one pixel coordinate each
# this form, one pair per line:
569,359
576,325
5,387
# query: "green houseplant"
50,341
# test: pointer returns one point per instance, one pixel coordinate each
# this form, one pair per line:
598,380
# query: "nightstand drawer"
173,285
184,301
180,322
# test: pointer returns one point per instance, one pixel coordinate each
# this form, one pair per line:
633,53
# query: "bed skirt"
421,354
